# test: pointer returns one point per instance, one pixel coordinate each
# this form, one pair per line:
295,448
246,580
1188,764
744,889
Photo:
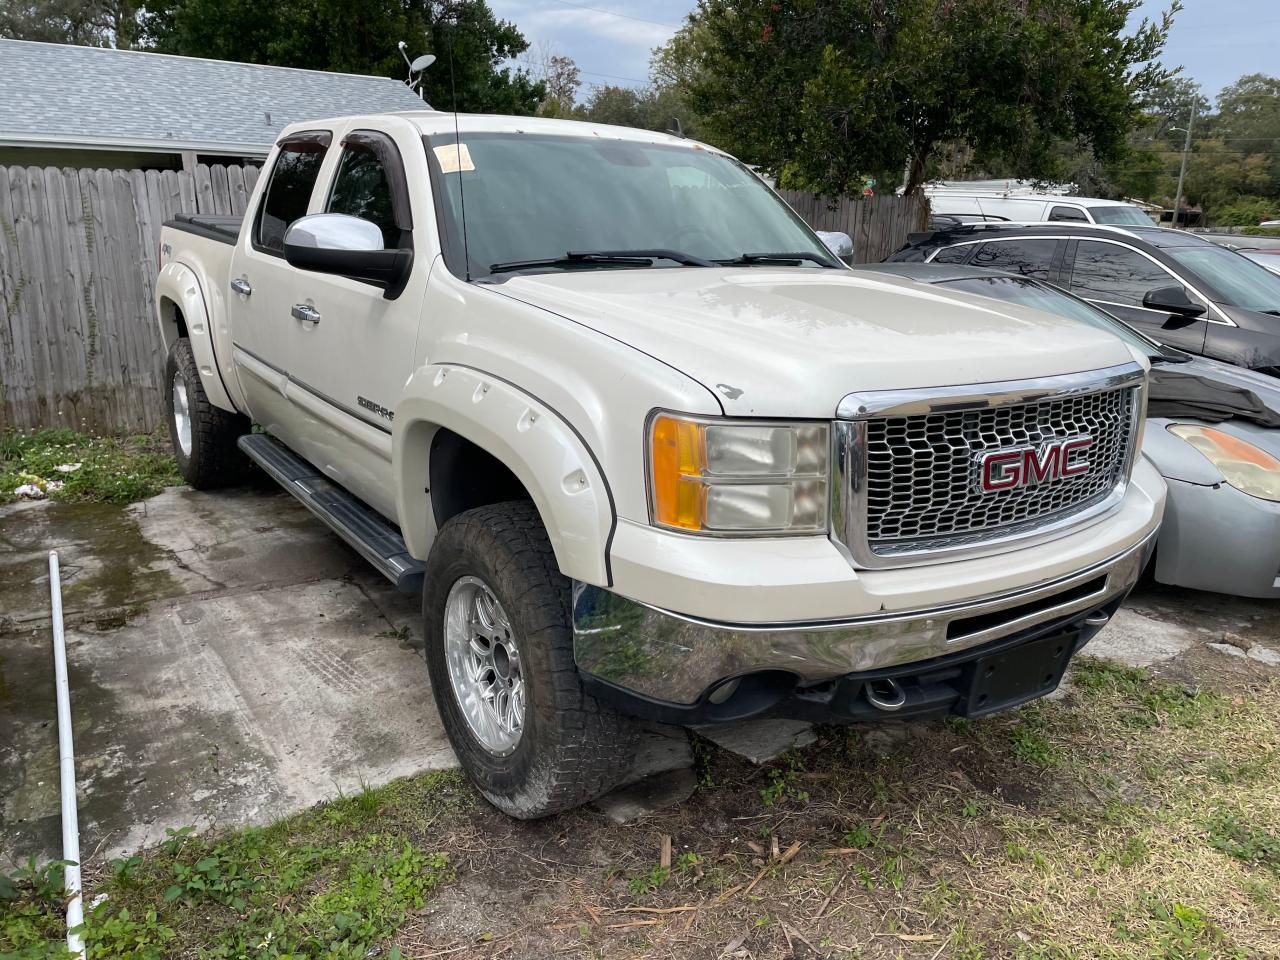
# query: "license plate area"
1014,676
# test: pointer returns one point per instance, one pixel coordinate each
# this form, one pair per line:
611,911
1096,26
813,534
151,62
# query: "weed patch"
65,465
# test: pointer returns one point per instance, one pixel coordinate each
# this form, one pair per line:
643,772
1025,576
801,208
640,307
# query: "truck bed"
224,229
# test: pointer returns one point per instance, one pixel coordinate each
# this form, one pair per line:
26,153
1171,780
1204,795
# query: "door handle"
240,285
306,312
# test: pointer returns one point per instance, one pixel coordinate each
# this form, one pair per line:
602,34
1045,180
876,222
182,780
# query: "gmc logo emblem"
1016,467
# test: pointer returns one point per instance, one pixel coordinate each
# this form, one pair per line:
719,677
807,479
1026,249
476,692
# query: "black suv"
1174,286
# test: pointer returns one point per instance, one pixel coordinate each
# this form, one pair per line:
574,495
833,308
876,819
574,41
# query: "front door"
1116,277
350,348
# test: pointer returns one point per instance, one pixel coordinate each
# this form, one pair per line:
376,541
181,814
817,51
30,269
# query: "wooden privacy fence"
878,225
79,345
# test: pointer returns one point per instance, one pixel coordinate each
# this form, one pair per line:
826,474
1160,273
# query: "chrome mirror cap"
334,231
840,244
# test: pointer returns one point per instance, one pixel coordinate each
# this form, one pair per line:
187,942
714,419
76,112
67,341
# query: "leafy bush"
1246,212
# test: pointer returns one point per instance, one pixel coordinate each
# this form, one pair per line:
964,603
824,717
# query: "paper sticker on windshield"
454,157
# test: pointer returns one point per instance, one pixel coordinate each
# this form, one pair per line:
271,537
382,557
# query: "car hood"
794,341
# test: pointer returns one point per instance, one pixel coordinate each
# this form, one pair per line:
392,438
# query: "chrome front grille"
920,470
911,463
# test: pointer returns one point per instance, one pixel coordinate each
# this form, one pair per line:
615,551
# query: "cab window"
1115,274
288,191
361,189
1032,257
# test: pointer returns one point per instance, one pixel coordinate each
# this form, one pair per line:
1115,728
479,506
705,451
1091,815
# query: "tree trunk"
914,179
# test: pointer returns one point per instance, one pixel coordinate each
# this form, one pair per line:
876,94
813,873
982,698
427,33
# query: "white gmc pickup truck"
647,448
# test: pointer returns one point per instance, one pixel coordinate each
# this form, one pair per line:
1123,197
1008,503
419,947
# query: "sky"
1216,41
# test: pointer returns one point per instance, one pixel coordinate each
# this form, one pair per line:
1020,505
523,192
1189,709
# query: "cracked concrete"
231,662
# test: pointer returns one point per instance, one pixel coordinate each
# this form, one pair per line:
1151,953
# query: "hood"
791,342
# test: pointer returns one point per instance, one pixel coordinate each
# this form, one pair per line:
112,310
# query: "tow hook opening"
885,694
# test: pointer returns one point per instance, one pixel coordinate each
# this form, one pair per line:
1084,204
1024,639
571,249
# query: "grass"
334,882
1134,819
110,470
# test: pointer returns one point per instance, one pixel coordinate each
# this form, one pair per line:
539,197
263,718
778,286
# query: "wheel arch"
181,311
454,419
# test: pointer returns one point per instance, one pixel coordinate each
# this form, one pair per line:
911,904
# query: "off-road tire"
573,748
214,459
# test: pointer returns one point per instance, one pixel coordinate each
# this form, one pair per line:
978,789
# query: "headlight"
730,478
1241,464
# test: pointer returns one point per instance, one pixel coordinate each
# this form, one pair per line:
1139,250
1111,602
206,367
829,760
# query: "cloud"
547,22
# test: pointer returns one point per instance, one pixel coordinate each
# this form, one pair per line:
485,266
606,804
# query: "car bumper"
1217,538
676,668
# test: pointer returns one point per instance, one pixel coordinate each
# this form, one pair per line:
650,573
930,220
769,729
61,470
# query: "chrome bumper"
663,656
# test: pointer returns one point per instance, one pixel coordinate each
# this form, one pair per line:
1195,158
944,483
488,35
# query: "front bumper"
676,668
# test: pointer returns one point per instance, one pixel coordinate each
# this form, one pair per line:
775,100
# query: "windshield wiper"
633,258
793,257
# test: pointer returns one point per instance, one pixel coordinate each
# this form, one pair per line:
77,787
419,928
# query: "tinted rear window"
288,193
1032,257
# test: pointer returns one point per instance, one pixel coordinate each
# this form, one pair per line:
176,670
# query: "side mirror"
840,244
1172,299
347,247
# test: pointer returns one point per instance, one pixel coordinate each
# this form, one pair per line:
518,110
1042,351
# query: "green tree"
825,92
468,40
90,23
562,78
650,108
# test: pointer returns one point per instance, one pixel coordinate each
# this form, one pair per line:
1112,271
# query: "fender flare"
533,440
179,285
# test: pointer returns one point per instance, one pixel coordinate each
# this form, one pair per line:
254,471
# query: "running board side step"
367,532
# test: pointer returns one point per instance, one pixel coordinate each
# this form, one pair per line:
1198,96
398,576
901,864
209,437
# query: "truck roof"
430,122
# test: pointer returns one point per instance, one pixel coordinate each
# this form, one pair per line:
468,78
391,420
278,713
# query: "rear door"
351,349
1116,277
259,272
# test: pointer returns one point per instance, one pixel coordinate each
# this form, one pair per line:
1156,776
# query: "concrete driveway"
232,662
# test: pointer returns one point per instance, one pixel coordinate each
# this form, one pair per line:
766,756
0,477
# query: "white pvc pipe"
67,765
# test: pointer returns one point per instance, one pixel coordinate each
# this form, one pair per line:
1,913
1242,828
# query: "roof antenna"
457,147
674,127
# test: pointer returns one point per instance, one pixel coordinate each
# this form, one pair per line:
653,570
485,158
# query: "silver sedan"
1213,431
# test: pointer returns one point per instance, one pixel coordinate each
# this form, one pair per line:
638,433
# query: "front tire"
500,656
204,436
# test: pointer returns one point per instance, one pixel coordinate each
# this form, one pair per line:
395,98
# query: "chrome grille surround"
904,462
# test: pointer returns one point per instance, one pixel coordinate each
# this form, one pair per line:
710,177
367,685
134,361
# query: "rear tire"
531,739
204,436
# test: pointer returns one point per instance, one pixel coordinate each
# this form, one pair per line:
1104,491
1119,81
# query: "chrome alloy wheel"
484,665
181,414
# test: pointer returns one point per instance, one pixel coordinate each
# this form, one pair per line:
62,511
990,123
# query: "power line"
613,13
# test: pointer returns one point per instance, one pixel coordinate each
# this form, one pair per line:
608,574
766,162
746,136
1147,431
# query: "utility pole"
1182,171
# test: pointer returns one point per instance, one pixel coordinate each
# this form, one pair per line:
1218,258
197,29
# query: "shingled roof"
59,95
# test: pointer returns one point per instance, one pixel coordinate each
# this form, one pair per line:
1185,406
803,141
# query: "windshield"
1028,293
1238,279
535,197
1120,214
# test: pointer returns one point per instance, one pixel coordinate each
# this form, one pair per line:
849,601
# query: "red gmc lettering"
1070,447
1028,466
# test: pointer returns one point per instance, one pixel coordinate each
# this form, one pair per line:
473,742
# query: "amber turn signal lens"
679,496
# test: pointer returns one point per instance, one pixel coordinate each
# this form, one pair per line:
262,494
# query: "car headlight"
736,478
1241,464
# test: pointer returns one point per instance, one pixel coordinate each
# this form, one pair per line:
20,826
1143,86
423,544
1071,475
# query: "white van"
1020,207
